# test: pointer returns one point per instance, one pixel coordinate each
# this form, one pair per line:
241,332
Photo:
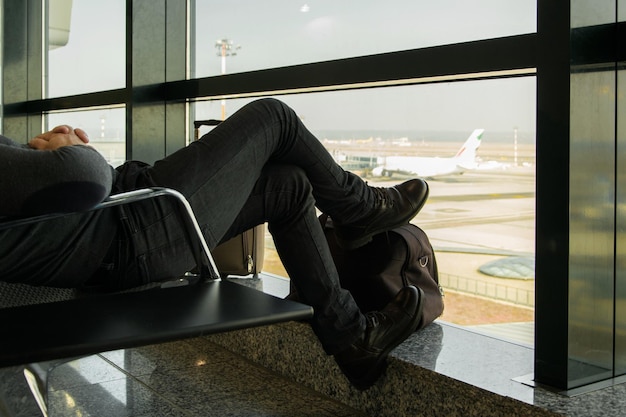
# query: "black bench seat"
81,326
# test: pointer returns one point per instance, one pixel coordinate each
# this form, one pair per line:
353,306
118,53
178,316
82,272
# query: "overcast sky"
284,32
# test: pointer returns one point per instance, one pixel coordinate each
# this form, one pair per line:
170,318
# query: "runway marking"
468,221
473,197
449,210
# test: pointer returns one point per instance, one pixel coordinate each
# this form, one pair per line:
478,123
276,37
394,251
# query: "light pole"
225,48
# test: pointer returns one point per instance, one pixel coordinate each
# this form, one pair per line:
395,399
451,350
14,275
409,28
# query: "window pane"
592,275
620,253
105,127
276,33
87,46
481,223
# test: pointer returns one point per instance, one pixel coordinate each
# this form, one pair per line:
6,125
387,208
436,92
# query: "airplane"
429,167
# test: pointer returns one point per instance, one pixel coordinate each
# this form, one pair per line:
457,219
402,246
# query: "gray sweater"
64,251
71,178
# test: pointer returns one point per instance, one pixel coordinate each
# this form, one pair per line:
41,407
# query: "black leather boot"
393,207
366,359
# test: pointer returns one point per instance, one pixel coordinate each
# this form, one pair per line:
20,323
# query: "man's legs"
283,198
217,172
360,343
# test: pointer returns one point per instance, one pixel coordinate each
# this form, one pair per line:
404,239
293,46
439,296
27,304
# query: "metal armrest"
204,259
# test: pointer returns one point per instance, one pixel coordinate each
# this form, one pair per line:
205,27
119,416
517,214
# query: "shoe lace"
381,198
374,318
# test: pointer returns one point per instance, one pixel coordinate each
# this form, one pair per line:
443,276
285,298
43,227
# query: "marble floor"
187,378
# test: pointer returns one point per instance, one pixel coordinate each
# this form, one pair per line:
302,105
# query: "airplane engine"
380,172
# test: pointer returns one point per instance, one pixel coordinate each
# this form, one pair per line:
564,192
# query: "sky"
273,33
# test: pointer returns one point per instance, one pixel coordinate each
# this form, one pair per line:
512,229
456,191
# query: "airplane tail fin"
467,153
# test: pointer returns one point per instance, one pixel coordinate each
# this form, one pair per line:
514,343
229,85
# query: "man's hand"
60,136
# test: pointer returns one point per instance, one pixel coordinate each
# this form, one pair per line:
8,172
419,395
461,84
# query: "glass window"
86,46
106,128
620,255
594,347
249,35
589,13
480,221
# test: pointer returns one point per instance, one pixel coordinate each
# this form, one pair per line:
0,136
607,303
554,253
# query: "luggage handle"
207,122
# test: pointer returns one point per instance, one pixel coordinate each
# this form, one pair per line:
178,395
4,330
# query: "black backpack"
375,272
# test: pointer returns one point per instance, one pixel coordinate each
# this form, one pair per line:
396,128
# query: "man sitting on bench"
260,165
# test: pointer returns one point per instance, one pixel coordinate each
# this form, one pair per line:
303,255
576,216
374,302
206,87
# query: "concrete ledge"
407,389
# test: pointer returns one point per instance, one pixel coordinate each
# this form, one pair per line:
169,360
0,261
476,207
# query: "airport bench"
67,326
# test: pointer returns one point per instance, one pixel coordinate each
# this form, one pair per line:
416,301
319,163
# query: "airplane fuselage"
419,166
428,167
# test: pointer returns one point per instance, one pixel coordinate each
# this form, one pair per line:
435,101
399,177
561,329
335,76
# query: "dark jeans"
260,165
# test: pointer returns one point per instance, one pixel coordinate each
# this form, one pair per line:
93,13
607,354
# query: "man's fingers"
63,135
38,143
82,135
62,129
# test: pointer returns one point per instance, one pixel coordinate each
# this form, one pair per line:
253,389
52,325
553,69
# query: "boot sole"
381,363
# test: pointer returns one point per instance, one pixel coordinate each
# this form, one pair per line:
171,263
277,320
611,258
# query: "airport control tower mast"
225,47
